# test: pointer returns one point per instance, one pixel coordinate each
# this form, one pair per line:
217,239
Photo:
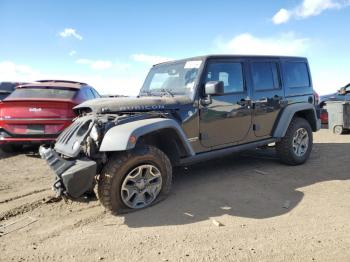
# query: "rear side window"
265,76
88,93
7,87
229,73
39,92
296,74
95,93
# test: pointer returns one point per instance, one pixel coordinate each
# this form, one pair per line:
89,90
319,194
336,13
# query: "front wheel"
135,179
295,147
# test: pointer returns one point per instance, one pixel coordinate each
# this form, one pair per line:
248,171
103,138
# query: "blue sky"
112,44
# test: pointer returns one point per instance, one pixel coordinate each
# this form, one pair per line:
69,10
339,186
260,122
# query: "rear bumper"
9,135
38,141
73,177
8,138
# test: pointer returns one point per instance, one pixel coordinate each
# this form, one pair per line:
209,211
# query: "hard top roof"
205,57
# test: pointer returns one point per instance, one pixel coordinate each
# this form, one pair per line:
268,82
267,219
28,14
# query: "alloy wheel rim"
141,186
300,142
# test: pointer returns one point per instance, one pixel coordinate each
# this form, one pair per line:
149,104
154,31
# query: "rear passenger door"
267,94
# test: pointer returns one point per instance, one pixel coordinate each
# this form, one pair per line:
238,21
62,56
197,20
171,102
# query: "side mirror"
214,88
342,91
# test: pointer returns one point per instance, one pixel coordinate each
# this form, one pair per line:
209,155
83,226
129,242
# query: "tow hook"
58,187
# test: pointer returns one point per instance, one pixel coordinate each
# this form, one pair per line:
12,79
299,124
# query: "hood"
323,97
133,104
333,97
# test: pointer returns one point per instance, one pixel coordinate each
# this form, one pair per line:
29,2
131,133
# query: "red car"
37,113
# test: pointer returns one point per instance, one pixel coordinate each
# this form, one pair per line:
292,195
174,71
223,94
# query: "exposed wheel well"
309,115
166,140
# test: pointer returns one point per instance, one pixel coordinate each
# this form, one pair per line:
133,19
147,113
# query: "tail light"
324,116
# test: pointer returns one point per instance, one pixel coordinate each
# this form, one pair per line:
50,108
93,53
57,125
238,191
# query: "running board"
223,152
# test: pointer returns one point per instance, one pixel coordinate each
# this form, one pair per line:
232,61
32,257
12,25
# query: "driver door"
227,118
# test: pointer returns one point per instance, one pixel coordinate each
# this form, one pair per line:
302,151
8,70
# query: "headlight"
94,134
76,145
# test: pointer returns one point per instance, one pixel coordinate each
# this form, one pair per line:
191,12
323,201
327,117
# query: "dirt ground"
268,212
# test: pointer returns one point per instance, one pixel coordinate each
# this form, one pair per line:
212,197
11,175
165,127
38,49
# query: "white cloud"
96,64
282,16
150,59
120,85
284,44
10,71
72,53
70,32
308,8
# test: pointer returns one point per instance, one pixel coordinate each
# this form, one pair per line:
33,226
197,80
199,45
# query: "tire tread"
115,163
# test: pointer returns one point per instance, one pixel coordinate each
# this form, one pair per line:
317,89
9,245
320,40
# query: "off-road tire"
117,168
284,147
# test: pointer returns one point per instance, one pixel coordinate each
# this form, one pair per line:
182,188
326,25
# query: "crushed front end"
75,159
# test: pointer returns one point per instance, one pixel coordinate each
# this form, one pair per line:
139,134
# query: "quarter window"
229,73
265,76
296,74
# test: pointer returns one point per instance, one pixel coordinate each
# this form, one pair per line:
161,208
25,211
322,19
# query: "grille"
75,133
68,132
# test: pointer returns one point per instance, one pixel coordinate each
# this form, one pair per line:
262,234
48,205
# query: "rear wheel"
338,130
135,179
295,147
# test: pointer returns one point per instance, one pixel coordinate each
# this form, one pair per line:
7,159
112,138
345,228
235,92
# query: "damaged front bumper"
73,177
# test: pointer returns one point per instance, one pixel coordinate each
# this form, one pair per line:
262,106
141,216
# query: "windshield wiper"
167,91
156,92
148,93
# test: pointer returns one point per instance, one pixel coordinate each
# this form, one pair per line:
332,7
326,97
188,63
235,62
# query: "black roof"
204,57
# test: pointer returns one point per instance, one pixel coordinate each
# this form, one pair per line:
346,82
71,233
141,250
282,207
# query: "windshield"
177,78
40,92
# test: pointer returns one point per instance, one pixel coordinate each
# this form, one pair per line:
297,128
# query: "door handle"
245,102
260,101
277,98
280,100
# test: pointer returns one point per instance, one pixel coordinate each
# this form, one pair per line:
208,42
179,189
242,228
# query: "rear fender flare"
289,112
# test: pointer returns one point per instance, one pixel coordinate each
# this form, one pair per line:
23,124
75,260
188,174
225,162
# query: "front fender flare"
118,138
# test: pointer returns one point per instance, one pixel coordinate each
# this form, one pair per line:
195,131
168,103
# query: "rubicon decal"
141,107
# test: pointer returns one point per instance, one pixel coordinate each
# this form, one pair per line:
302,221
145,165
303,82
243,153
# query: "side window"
265,76
347,88
229,73
86,93
296,74
97,95
90,93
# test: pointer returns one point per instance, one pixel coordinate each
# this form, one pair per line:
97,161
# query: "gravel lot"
268,212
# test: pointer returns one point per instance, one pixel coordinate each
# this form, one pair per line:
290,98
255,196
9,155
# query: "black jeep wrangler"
187,111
